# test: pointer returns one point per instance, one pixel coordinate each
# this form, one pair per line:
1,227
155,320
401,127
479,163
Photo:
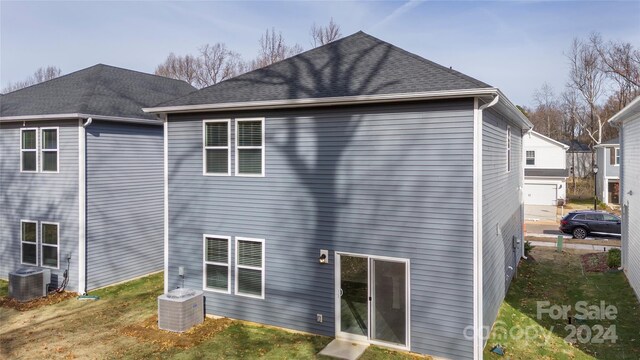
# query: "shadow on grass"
559,279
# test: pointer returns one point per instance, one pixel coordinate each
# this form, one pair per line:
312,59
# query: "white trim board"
71,116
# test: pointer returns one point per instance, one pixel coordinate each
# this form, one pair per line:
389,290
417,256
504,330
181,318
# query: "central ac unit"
29,283
180,309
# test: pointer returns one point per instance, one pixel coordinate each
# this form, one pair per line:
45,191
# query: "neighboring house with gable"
81,176
608,176
628,121
545,170
354,190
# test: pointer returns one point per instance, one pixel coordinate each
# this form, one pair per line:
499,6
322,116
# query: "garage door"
540,194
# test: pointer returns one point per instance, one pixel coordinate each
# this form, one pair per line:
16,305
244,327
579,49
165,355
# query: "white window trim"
263,147
42,150
508,148
49,245
616,156
526,156
205,263
205,147
262,269
22,151
22,221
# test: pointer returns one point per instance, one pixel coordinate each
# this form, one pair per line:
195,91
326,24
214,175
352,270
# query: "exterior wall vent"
28,283
180,309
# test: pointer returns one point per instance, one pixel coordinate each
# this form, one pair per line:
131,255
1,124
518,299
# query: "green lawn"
4,288
102,329
558,278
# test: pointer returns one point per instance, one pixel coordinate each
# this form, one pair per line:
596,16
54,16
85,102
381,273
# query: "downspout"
478,319
82,210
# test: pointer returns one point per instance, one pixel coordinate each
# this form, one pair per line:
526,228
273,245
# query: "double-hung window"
216,147
531,157
617,155
250,267
216,263
49,243
508,148
49,149
250,147
29,242
28,150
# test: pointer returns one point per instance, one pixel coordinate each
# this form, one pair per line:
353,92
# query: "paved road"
576,246
548,229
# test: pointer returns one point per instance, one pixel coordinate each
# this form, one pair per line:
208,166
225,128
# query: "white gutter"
89,121
76,116
633,108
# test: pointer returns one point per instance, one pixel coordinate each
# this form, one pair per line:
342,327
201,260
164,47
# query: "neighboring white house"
608,177
545,170
628,120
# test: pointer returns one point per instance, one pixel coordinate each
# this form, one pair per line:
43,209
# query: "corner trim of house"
82,274
166,201
477,232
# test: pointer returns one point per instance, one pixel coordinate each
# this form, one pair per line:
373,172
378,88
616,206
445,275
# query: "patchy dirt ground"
54,298
147,330
595,262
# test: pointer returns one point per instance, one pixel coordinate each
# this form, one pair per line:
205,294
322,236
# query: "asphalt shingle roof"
547,172
359,64
97,90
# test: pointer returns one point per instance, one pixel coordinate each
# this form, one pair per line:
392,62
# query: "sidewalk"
575,246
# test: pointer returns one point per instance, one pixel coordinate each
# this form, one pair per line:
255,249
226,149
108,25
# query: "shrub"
527,248
614,258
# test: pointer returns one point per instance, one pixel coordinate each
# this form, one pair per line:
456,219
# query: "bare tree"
40,75
621,63
180,67
214,63
322,35
586,76
547,115
217,63
273,48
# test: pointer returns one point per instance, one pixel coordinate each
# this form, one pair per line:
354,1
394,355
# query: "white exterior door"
540,194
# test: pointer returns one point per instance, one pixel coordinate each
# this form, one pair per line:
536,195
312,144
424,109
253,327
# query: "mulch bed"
595,262
51,299
148,330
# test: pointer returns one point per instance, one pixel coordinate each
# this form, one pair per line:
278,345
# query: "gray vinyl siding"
601,161
125,197
501,210
49,197
392,180
612,170
631,183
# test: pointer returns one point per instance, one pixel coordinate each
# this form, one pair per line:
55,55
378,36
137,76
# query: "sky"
513,45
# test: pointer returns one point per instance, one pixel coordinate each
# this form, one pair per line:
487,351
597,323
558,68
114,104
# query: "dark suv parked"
582,223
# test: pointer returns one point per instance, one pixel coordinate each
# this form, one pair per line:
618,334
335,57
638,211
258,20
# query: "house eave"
487,93
71,116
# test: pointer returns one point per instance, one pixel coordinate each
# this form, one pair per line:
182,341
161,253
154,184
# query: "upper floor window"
49,150
28,150
531,157
216,147
615,156
46,149
509,148
250,147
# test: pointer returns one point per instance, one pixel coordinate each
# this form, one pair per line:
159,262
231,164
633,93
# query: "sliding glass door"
372,299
